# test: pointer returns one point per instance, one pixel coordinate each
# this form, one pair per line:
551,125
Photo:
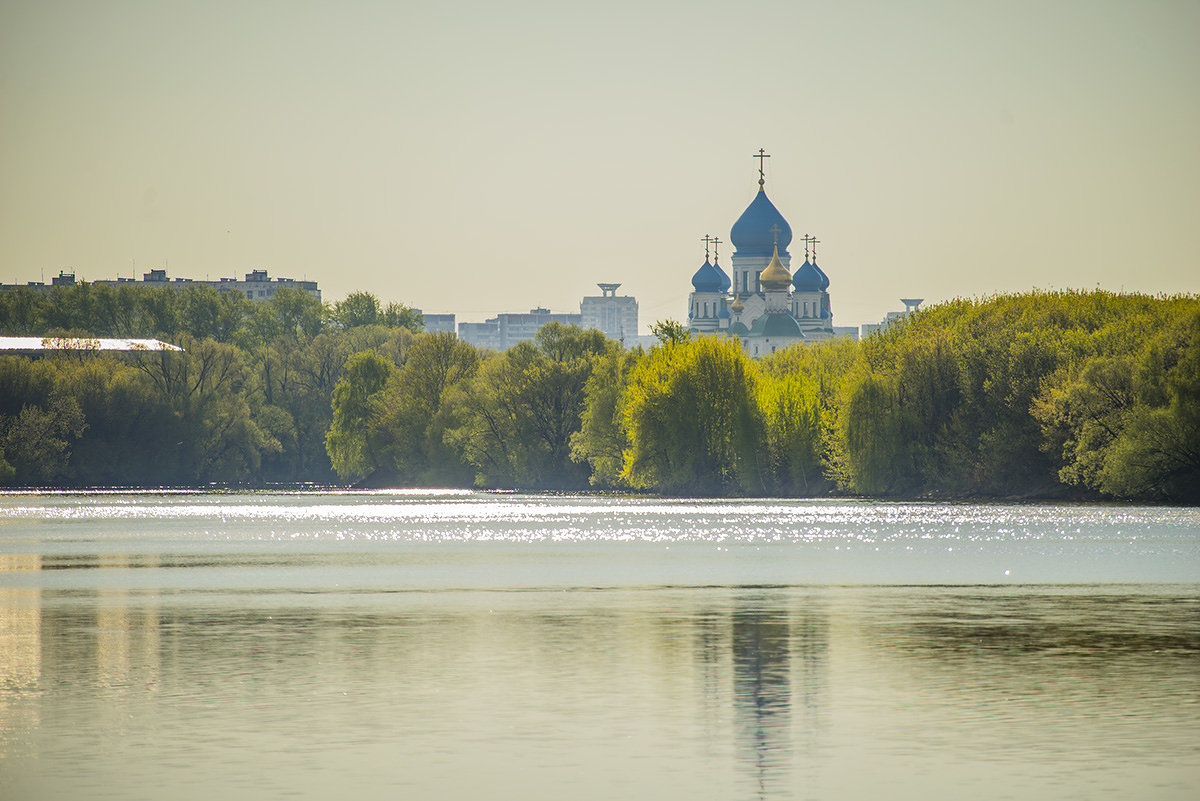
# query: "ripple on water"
456,515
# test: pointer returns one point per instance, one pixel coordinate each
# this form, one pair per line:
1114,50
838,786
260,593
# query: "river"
461,645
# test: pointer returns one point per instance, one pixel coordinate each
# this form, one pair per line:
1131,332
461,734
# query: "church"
764,305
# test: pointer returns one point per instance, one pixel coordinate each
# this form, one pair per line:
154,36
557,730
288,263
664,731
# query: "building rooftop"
43,344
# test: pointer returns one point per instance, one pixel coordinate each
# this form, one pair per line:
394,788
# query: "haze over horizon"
476,158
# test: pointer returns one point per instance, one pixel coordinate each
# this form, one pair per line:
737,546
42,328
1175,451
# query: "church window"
706,309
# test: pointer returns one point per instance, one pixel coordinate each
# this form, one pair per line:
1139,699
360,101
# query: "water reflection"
592,683
780,657
762,694
127,692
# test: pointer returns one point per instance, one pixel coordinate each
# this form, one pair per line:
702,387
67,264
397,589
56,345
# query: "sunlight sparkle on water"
459,515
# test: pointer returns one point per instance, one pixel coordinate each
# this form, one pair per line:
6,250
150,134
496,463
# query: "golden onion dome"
737,306
776,275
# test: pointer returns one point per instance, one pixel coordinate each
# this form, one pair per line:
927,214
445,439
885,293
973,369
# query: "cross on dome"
810,241
761,155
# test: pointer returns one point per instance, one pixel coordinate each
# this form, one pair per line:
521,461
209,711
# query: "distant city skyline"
474,157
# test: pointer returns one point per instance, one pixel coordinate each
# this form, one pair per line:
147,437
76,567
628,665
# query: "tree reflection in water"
771,643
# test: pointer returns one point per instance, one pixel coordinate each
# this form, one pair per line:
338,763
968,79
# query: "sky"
479,157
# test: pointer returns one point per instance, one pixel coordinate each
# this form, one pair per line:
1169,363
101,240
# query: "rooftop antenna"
761,155
707,239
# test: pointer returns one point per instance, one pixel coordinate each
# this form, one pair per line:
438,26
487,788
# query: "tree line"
248,401
1042,394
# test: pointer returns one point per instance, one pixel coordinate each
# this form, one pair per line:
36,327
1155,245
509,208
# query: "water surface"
471,645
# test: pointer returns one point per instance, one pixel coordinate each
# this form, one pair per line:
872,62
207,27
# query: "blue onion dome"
808,278
707,278
725,280
824,277
723,314
752,234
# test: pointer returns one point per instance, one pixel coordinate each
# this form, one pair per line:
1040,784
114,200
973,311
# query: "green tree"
419,407
205,313
1130,429
35,444
397,315
301,316
131,432
692,420
670,332
869,455
20,312
357,406
1082,417
359,308
929,398
601,441
114,312
159,313
205,386
791,413
522,408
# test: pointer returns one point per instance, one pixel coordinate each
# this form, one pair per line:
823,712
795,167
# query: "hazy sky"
477,157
